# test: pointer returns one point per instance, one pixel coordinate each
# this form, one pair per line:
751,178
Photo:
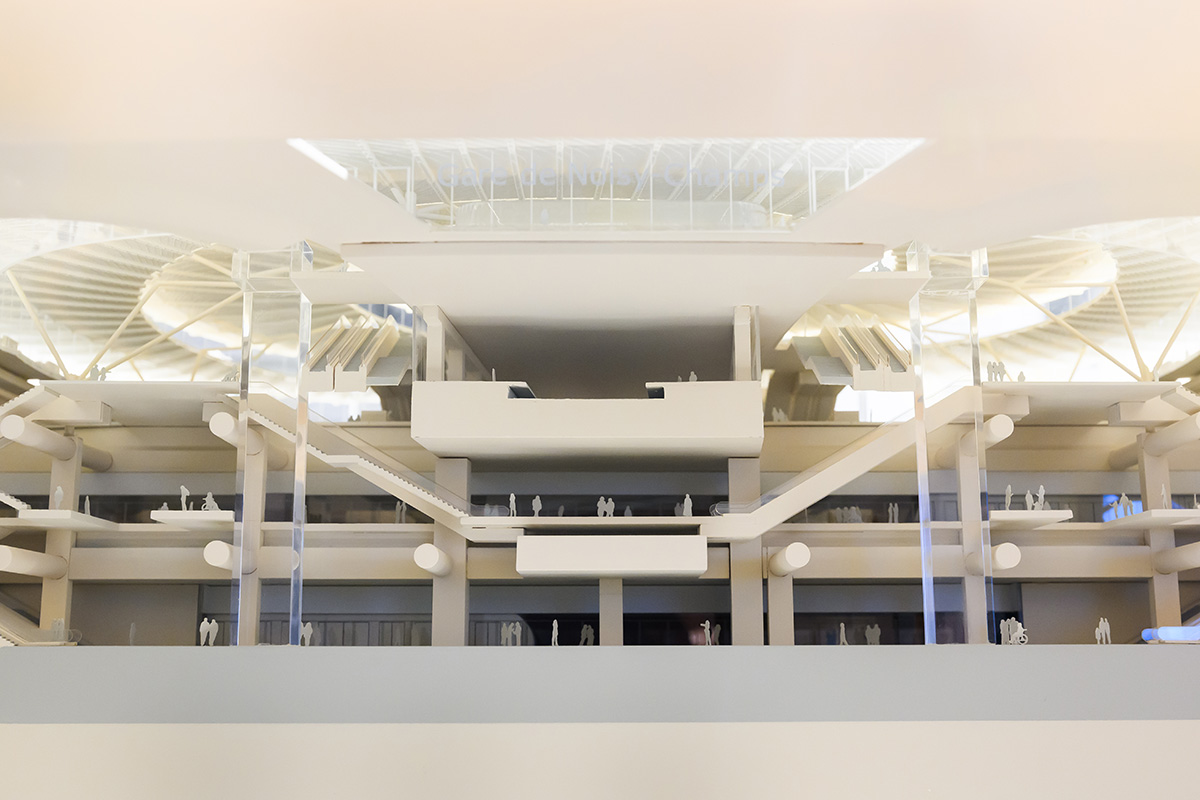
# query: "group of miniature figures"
1031,503
996,371
209,504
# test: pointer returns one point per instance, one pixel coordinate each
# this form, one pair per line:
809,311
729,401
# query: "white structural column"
781,626
745,559
56,592
450,591
612,612
970,511
1164,588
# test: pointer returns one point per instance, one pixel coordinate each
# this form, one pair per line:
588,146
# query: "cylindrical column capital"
432,560
1005,555
1174,435
220,554
27,562
1177,559
789,559
225,427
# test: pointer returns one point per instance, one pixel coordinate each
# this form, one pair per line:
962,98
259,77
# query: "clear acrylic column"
948,361
302,263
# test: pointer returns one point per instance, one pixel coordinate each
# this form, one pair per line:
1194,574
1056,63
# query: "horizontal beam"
53,444
27,562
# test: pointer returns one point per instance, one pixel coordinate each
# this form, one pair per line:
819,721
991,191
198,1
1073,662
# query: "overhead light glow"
300,145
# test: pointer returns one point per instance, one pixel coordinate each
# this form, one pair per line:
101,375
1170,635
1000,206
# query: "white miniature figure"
610,507
210,503
1040,504
587,636
87,506
1029,506
204,626
856,514
1001,371
1195,503
537,505
1126,505
601,506
132,634
628,511
707,626
1103,632
505,634
562,510
872,633
58,497
991,370
58,629
516,633
512,504
716,634
213,628
1008,498
554,634
306,633
164,507
1021,377
1012,632
692,377
183,498
687,505
402,509
1166,503
842,633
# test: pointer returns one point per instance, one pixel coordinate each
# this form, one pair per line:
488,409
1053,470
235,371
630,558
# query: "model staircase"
16,630
12,502
357,457
819,481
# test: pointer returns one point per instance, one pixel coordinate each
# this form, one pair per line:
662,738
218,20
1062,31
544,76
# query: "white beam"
53,444
27,562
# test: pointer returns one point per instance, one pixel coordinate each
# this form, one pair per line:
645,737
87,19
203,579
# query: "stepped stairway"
17,630
337,448
819,481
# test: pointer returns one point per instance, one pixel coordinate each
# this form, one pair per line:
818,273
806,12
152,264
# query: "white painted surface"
612,556
478,418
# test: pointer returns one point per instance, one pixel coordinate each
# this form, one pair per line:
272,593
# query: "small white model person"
183,498
587,636
537,505
512,504
505,634
610,507
1040,505
1029,506
306,633
554,634
601,506
516,633
872,633
1126,505
204,624
687,505
58,497
707,626
210,503
842,633
692,377
1166,502
1008,498
87,506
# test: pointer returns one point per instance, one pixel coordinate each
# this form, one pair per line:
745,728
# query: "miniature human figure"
687,505
707,626
512,504
587,636
1166,503
1106,629
628,511
1001,372
842,633
1126,505
1040,505
205,626
554,634
505,634
1100,632
516,633
1012,632
87,506
210,503
991,373
872,633
401,507
562,510
601,506
183,498
692,377
132,633
164,507
306,635
1195,503
1021,376
611,507
1008,498
213,628
537,505
58,497
856,514
716,634
1029,506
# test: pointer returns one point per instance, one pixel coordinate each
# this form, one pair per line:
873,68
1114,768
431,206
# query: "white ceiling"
1038,117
